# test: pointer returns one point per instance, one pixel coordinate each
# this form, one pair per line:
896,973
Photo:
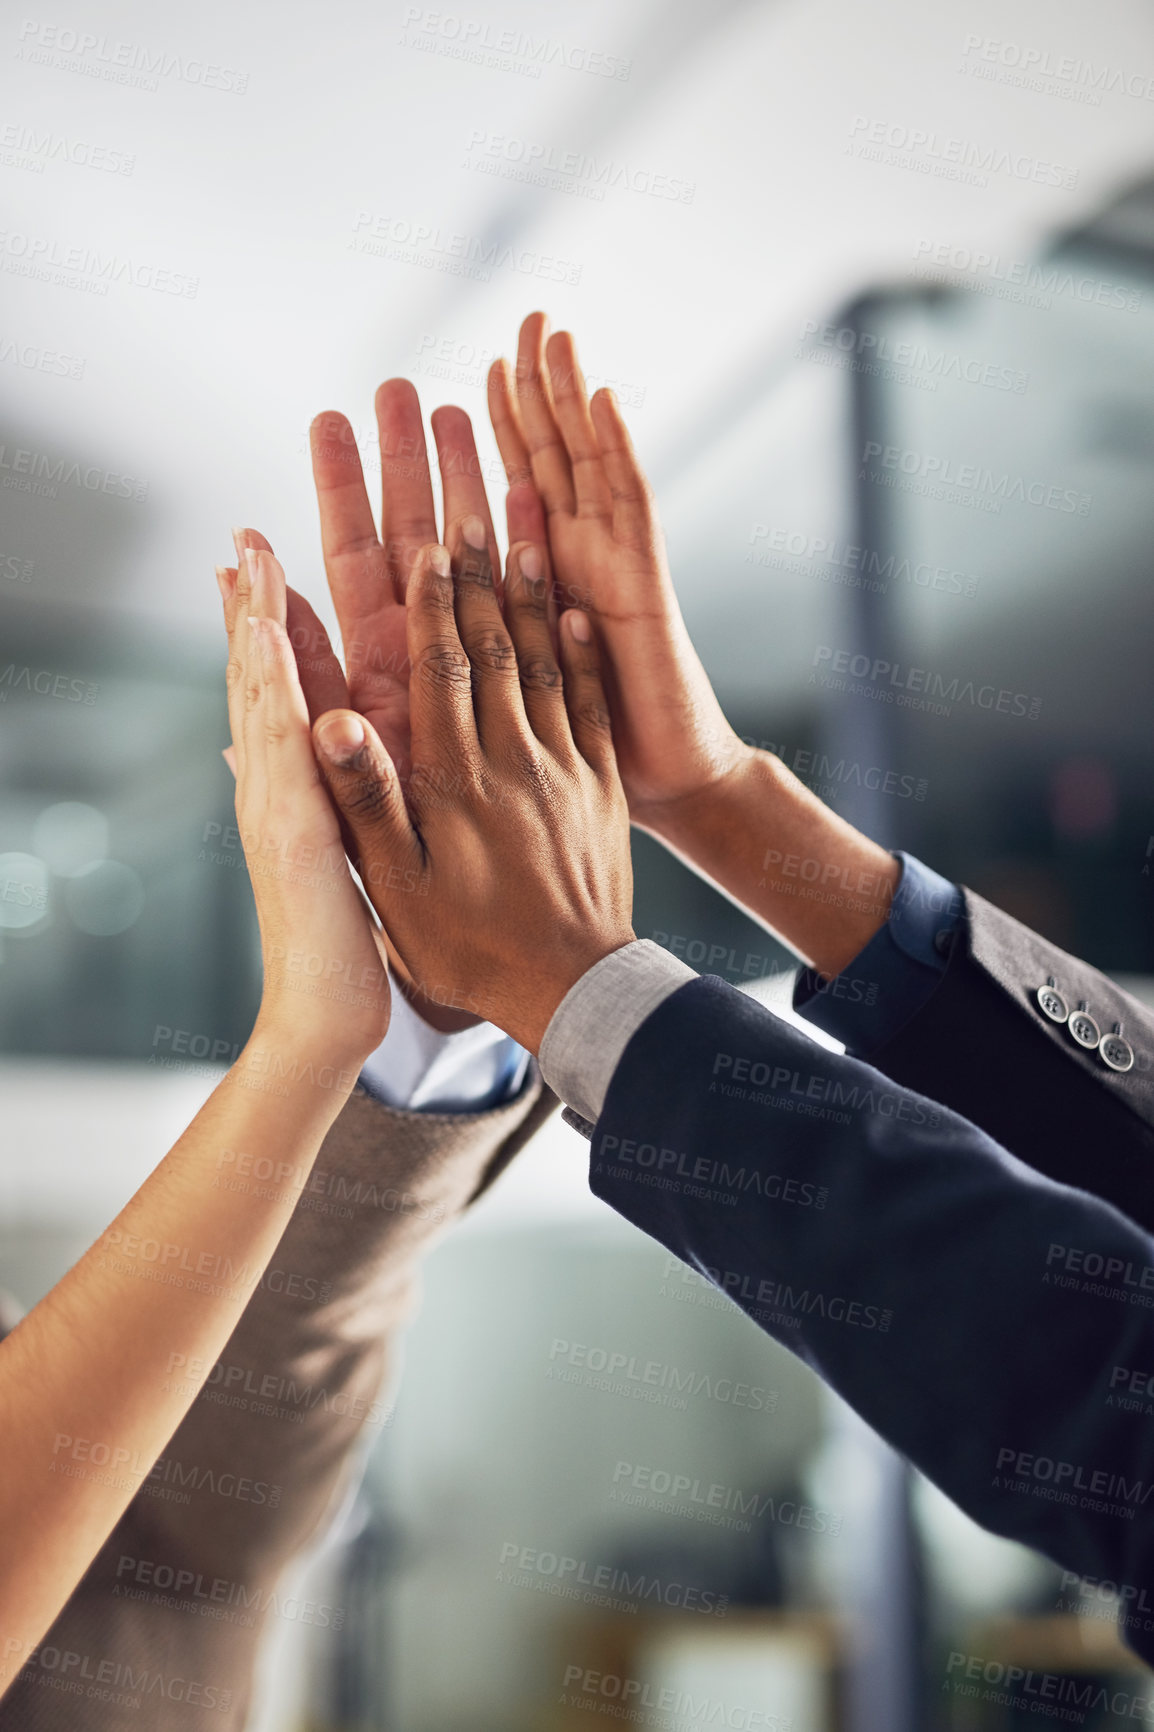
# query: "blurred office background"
876,288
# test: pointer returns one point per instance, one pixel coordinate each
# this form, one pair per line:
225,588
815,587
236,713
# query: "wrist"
538,995
288,1046
689,815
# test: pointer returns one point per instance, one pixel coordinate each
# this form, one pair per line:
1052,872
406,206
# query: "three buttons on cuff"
1116,1053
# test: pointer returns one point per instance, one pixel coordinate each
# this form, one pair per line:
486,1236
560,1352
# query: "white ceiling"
346,110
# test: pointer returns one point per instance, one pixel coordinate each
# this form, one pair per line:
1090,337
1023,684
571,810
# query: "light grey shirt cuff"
597,1018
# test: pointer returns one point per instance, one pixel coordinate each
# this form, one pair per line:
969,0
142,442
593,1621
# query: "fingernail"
580,627
252,559
341,738
440,562
224,582
530,563
474,532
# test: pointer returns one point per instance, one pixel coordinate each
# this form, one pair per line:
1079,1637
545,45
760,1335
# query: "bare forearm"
770,845
167,1282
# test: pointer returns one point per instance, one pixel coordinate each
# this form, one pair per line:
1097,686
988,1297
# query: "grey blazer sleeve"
983,1046
164,1629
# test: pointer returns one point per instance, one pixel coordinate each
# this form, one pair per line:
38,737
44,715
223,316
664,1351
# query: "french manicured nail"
530,563
440,562
474,532
224,582
580,627
341,738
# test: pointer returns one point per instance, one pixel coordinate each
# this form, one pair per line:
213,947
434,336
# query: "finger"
444,730
633,516
497,701
408,514
237,606
506,419
242,538
280,731
229,756
571,408
366,790
263,579
526,521
527,616
355,562
524,509
462,484
584,692
321,675
548,458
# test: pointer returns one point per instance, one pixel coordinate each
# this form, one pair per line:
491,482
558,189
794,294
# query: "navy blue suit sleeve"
988,1322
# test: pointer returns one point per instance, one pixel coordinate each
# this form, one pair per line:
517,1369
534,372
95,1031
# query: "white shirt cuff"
598,1017
418,1069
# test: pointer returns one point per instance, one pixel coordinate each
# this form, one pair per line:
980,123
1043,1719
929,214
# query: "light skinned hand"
325,974
608,557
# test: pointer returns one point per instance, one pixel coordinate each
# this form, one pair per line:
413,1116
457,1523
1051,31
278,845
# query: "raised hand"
325,979
502,870
608,556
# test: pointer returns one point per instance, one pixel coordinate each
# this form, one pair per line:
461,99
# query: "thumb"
366,790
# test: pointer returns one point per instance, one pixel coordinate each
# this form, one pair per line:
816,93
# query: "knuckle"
540,674
443,666
252,691
368,798
492,652
592,713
